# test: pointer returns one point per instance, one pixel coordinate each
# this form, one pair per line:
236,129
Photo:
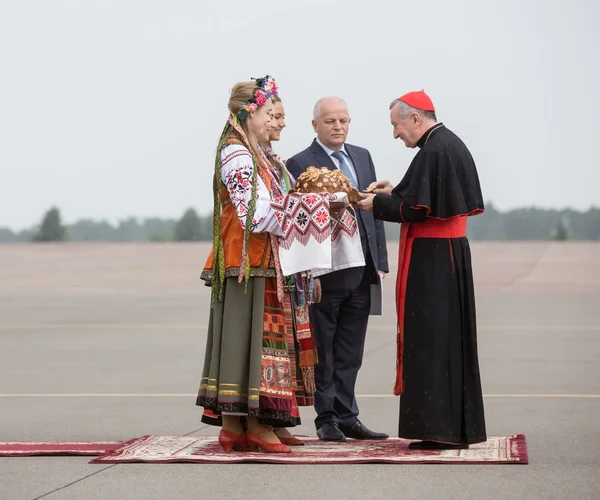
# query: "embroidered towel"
313,238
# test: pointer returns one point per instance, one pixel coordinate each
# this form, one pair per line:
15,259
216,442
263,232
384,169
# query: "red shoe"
232,441
255,440
290,440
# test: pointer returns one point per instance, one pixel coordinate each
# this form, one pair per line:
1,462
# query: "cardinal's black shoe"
435,445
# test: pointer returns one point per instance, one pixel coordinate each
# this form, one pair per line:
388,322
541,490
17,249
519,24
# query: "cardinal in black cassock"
437,370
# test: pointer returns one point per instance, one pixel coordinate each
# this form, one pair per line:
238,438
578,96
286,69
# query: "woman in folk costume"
247,375
301,342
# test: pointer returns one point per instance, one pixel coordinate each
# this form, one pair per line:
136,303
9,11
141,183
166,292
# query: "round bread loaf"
319,180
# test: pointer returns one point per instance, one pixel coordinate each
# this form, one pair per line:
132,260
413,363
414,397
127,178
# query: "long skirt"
251,365
302,348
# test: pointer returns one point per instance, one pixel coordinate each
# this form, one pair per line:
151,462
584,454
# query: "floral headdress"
265,89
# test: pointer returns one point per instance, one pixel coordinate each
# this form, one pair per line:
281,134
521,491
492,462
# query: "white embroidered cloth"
313,238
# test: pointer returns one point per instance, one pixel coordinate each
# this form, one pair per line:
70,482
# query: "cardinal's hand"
380,187
366,203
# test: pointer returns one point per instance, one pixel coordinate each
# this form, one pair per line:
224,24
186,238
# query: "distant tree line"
513,225
190,227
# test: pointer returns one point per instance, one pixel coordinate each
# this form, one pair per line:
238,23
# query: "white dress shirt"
336,162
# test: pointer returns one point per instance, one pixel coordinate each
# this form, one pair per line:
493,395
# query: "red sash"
456,227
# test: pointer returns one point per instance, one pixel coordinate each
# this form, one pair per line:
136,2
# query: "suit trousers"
340,325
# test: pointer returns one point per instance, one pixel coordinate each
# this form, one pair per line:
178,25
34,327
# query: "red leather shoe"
232,441
290,440
255,440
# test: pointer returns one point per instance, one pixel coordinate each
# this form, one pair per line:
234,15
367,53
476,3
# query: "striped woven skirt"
253,364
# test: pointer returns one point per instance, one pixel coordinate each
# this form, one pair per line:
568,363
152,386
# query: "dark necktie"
345,167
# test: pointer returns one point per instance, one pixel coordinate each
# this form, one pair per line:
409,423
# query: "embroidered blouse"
236,173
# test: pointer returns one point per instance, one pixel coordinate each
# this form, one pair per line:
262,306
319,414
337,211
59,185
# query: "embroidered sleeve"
237,171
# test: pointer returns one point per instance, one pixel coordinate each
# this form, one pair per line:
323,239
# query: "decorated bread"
319,180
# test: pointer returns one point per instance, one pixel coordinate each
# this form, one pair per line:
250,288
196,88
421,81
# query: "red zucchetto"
418,99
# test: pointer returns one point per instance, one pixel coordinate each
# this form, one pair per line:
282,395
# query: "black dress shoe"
435,445
357,430
329,431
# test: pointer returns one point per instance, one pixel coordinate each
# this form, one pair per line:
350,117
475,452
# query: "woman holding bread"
247,378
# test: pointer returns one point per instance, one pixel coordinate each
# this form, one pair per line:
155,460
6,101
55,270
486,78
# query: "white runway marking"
171,327
190,395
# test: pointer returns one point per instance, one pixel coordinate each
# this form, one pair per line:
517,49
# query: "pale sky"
111,109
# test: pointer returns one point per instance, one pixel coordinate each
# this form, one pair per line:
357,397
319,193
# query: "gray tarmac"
106,342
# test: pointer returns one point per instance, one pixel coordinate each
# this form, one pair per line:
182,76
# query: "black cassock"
437,364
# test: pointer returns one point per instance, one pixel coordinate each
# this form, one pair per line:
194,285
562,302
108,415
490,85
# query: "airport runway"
106,342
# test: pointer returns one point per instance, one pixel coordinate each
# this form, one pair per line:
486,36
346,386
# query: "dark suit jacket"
315,156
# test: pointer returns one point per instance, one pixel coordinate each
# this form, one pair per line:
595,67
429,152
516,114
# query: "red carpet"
27,449
168,449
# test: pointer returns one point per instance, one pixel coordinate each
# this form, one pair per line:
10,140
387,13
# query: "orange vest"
259,244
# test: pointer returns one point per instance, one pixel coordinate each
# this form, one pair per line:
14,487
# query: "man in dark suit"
340,318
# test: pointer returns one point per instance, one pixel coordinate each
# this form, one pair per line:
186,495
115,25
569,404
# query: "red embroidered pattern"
302,217
239,186
343,221
276,376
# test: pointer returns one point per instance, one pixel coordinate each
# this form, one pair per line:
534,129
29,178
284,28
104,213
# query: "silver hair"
404,110
317,108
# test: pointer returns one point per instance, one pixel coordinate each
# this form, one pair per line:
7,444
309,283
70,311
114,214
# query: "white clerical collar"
330,151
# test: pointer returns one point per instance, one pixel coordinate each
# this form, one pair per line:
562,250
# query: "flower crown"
265,89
